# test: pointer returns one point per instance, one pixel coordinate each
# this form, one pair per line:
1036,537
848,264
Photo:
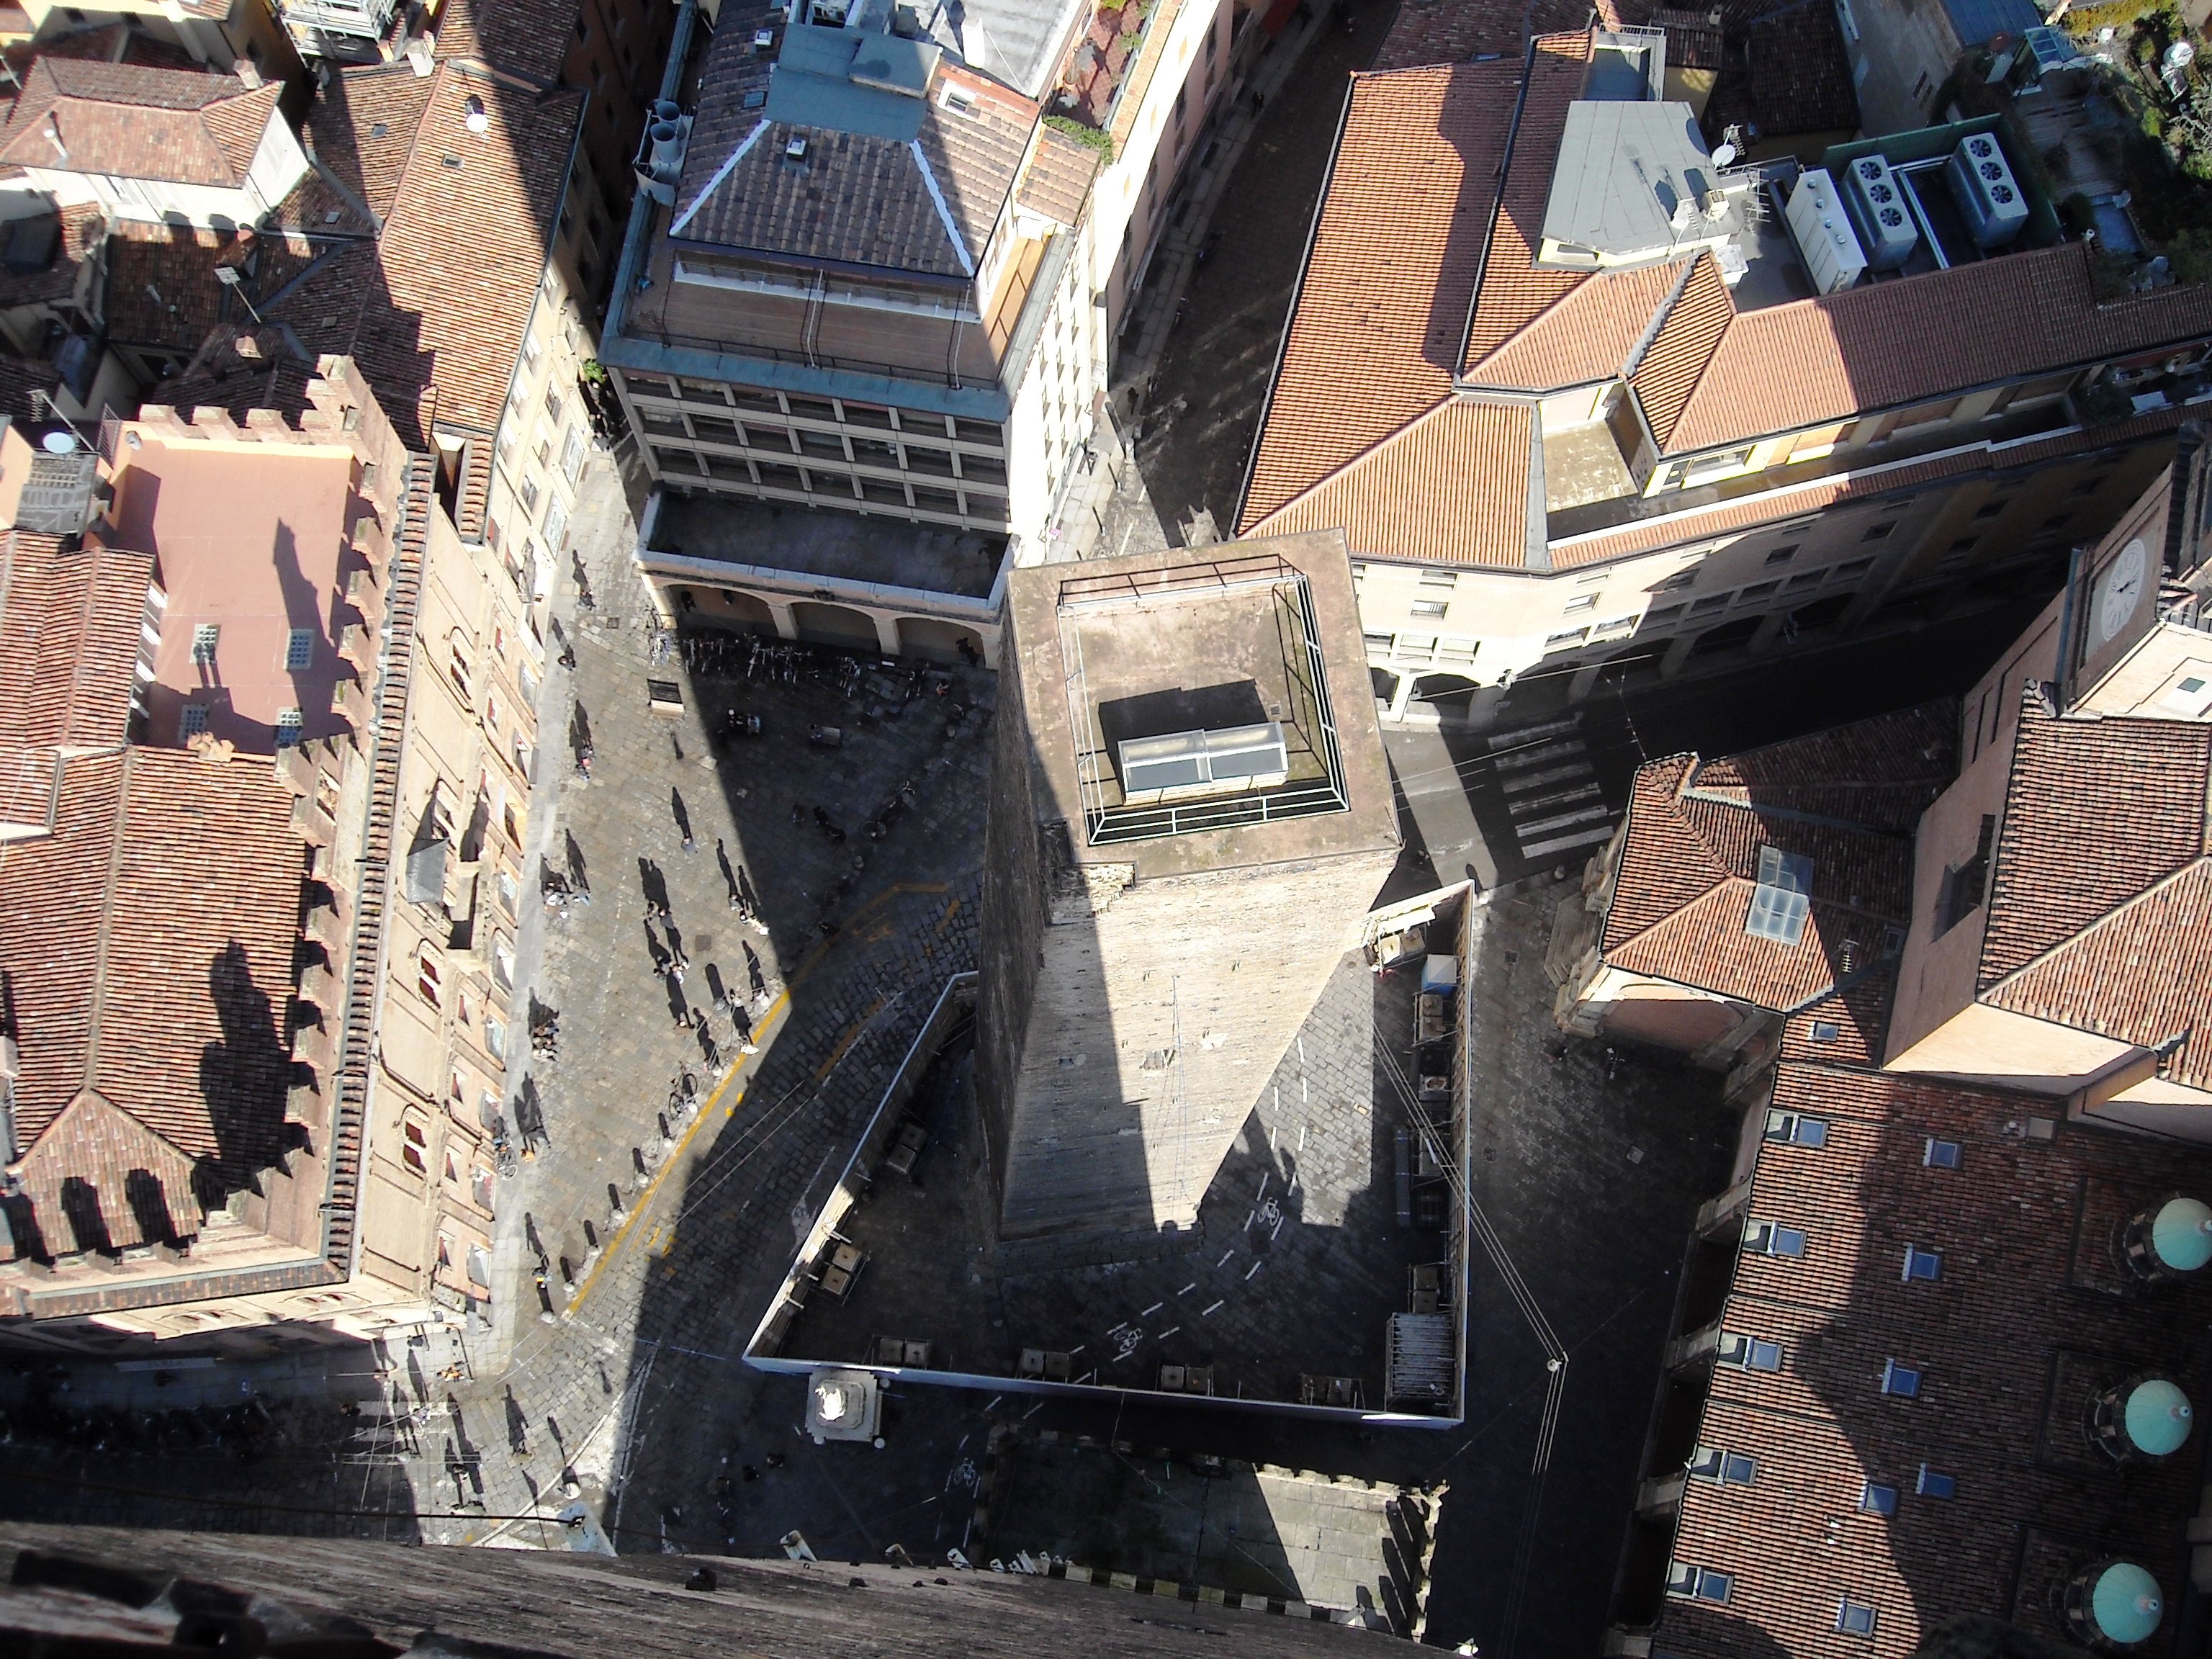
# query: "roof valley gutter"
1658,323
1298,292
640,206
1496,210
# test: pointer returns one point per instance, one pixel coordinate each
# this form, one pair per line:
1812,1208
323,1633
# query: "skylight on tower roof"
1781,902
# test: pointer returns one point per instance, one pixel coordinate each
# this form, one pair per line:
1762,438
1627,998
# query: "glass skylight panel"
1781,902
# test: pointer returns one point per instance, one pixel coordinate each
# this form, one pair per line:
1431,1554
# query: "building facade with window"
1563,439
1936,1348
935,363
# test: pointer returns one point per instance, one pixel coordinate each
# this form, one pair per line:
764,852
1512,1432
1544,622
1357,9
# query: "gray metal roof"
1016,42
1622,170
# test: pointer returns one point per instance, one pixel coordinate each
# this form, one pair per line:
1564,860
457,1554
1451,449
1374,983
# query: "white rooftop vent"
1185,763
1831,249
796,150
1782,901
474,115
764,39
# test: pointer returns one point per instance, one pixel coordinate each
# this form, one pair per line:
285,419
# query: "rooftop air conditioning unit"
1982,184
1873,197
1825,237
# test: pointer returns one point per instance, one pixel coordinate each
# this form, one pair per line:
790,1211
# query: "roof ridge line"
96,999
1792,815
1380,444
2193,867
1651,335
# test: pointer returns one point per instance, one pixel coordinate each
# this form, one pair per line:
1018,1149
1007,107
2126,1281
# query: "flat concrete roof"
1190,638
841,546
1296,1265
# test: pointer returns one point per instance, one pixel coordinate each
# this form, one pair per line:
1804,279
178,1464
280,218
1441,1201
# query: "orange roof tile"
149,943
70,622
1671,367
1422,492
78,115
1890,343
1374,335
1590,333
1513,292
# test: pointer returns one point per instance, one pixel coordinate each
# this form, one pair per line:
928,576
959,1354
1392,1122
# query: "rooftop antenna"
228,277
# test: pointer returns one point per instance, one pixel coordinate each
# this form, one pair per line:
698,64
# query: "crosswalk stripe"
1561,821
1538,756
1529,733
1537,780
1596,832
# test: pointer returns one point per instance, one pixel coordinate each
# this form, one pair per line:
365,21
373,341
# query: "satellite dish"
58,443
1724,155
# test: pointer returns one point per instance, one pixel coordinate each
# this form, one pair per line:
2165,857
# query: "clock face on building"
2121,590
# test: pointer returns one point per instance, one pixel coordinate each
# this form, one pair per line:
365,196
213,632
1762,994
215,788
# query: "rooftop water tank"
2168,1239
1878,213
1995,206
1825,238
2141,1418
2115,1606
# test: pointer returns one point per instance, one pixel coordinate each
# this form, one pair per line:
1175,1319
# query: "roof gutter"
1496,210
640,206
1298,292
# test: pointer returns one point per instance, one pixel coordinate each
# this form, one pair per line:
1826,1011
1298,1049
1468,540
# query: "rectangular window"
300,649
1922,1264
1699,1583
572,454
1664,614
1580,601
1826,1030
192,720
1932,1484
206,638
1783,555
1940,1154
1432,578
1877,1499
1758,590
495,1038
288,728
1766,1238
1711,603
1989,510
1680,579
1728,1469
1794,1128
529,495
556,524
1748,1353
1880,532
1853,567
1855,1617
1433,610
1902,1381
553,404
1571,636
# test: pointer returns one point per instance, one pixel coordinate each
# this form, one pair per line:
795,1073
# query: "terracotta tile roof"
82,230
1689,863
1372,341
1408,498
2096,811
527,38
361,132
1796,365
1454,31
1057,181
161,288
1592,333
138,122
2101,885
70,621
1784,70
2025,1319
857,198
97,1179
1671,368
149,944
1881,773
1848,1026
18,378
1513,292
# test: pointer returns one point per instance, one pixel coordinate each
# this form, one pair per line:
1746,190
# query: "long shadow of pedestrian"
729,873
659,952
683,816
518,1425
655,886
580,733
576,874
715,990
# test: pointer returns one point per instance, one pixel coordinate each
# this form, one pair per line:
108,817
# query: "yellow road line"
775,1016
769,1022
